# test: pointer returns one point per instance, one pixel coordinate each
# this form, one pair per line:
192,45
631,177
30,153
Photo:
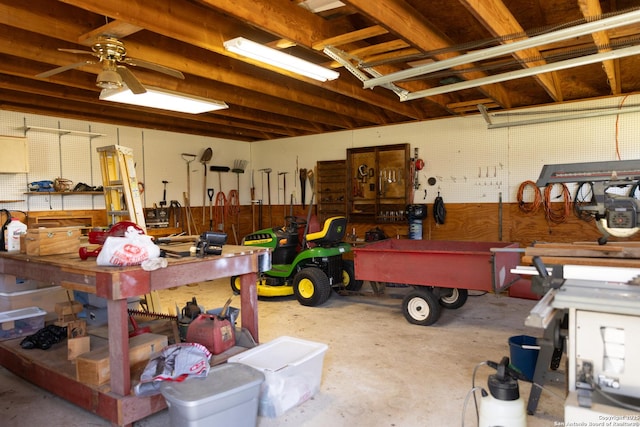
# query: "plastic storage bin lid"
280,353
223,380
21,313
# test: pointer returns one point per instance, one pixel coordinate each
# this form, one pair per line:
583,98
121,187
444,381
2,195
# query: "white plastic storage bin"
227,397
21,322
292,369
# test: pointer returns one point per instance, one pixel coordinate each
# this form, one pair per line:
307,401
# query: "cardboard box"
292,368
93,367
20,323
52,241
45,298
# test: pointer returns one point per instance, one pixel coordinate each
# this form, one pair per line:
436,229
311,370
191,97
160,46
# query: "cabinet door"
380,183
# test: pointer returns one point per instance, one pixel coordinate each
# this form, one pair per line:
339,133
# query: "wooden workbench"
116,284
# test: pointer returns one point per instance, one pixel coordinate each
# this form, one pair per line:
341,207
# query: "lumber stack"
618,254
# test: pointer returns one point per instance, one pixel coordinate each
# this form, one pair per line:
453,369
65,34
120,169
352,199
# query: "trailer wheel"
311,287
349,282
456,299
235,284
420,307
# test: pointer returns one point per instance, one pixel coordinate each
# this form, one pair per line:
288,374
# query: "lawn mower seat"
332,233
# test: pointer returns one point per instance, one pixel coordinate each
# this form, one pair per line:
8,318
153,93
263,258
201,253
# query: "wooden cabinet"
379,183
332,189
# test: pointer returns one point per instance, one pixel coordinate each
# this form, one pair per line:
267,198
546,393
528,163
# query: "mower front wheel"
311,287
235,284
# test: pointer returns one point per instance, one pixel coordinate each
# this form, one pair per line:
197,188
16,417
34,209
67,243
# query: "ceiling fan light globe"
109,79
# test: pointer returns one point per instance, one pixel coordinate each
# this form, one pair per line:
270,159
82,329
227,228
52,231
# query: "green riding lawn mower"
307,265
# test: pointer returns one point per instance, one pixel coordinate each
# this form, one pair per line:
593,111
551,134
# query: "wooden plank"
602,262
351,37
94,367
585,250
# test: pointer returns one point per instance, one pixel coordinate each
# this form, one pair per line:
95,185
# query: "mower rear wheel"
349,282
456,299
420,307
311,287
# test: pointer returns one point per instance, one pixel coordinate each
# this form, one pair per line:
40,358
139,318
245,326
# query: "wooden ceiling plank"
366,52
189,24
16,40
45,91
194,25
590,8
405,22
352,37
497,18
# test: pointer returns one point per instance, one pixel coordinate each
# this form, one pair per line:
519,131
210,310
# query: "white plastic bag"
132,249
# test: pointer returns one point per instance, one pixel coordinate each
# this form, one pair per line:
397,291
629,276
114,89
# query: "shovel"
303,184
206,158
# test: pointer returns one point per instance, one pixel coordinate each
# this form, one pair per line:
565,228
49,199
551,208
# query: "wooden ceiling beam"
496,18
590,8
405,22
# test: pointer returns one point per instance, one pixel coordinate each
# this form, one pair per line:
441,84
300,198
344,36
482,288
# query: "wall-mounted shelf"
64,193
61,131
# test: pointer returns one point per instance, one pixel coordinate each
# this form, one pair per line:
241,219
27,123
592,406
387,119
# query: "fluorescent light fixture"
492,52
163,99
279,59
526,72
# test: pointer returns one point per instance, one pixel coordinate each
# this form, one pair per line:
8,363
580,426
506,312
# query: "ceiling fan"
112,54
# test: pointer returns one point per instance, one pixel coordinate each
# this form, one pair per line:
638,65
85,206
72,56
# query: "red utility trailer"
441,271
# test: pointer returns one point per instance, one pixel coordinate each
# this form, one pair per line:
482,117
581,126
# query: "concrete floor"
379,370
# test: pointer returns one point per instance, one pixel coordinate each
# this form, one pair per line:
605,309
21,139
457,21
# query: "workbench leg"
120,370
249,304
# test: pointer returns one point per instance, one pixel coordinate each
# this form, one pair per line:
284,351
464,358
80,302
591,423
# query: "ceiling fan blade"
132,81
85,52
155,67
62,69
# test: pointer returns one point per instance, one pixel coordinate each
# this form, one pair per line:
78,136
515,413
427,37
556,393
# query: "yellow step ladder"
122,198
121,190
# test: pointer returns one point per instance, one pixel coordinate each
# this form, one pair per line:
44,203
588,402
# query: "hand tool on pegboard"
188,158
267,171
284,191
210,192
303,184
205,159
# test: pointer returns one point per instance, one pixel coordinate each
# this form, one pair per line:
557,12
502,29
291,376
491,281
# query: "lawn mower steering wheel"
294,222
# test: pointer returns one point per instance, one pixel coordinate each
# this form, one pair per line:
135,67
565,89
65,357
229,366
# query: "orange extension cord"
529,207
561,214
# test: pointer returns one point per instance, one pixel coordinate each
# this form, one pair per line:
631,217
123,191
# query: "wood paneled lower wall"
480,222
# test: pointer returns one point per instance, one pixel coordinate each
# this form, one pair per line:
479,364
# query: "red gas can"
214,332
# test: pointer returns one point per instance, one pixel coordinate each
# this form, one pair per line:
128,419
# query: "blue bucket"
524,350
